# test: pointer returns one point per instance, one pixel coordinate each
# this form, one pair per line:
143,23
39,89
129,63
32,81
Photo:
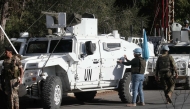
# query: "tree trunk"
4,15
23,8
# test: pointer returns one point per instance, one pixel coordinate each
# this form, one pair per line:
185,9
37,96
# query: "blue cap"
137,51
165,47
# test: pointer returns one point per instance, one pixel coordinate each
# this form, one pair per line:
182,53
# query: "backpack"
141,68
142,65
164,63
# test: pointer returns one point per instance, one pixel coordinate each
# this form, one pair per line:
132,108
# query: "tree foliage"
25,15
182,11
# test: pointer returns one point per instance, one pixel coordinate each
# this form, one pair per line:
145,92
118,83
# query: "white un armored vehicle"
180,50
75,59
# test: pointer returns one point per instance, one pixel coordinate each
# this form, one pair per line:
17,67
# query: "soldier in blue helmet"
186,25
138,65
165,66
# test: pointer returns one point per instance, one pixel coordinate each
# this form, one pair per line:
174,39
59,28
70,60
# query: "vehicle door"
88,67
111,51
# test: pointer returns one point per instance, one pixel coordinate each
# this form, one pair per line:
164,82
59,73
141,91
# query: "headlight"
181,64
31,75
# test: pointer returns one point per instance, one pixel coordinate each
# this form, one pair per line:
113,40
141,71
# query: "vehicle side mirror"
90,47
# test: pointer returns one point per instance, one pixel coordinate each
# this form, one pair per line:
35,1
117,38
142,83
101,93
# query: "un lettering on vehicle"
88,74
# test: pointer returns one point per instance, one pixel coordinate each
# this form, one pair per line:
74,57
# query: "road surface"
110,100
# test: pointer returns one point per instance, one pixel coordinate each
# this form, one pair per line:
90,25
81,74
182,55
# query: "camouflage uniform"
165,67
11,70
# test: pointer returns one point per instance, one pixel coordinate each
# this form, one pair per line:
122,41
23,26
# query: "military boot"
167,101
169,95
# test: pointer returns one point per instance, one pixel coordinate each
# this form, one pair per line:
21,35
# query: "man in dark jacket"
138,65
165,66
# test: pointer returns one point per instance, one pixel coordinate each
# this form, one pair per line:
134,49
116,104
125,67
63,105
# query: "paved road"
110,100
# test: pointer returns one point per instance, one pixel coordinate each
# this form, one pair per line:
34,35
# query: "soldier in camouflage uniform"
12,74
165,67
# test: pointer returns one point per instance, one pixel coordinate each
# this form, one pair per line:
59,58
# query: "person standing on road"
165,66
12,75
137,70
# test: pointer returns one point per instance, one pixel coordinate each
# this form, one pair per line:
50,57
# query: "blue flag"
145,51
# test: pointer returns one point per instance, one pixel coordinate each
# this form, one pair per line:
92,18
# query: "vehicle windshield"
179,49
42,46
37,47
63,46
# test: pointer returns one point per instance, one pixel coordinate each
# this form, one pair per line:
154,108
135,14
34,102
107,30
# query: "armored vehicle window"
113,45
179,49
62,47
37,47
17,46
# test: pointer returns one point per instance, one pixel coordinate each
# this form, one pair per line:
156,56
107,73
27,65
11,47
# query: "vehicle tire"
125,89
85,96
90,47
152,84
52,93
145,83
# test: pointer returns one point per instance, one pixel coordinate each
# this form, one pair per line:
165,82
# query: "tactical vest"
164,63
141,68
10,68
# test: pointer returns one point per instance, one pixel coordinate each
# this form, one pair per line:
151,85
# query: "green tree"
4,15
182,11
28,16
128,13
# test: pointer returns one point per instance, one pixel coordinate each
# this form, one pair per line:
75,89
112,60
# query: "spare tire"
90,47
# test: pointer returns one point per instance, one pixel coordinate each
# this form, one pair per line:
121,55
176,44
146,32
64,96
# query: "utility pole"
171,17
164,16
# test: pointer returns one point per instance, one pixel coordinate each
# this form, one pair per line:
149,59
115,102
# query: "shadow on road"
3,100
29,103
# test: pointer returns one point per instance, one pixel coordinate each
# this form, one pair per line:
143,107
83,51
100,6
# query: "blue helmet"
186,22
165,47
137,51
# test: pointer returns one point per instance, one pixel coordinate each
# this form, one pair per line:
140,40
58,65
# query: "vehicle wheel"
152,84
187,86
145,83
52,93
85,96
125,89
